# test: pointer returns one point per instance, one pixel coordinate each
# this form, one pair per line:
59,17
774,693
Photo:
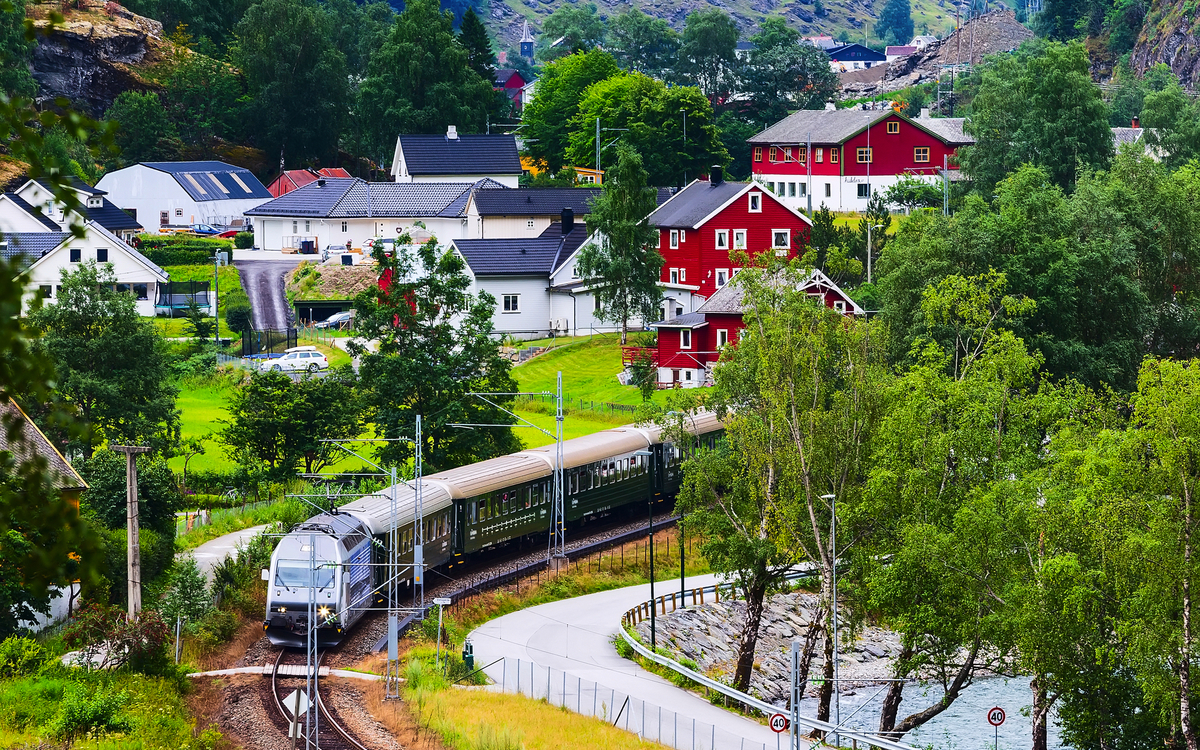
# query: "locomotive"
343,554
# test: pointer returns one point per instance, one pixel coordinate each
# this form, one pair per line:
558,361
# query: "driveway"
212,553
263,281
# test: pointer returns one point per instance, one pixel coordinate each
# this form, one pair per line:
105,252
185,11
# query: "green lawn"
202,407
589,367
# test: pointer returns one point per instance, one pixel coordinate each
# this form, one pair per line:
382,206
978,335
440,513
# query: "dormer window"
95,202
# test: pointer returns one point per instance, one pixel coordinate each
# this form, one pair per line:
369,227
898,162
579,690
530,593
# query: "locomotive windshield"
297,577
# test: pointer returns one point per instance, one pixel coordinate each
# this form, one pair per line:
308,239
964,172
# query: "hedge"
181,250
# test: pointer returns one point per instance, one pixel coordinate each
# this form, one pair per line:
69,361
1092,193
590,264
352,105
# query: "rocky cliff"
1170,35
99,51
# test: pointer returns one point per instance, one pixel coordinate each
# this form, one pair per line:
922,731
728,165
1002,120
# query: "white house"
185,192
338,211
457,158
525,212
45,255
33,208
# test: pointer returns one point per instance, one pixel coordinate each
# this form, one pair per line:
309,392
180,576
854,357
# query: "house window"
771,186
781,238
864,155
722,239
839,305
803,190
791,190
179,212
141,291
45,291
828,190
345,227
529,224
820,155
76,255
787,153
758,153
722,277
802,154
756,203
683,275
722,338
864,191
674,239
164,218
295,227
739,239
307,227
95,202
774,154
102,255
595,304
921,154
893,128
512,303
674,275
833,155
685,339
687,376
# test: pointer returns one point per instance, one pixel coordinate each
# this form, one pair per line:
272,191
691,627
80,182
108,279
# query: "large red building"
293,179
689,345
855,154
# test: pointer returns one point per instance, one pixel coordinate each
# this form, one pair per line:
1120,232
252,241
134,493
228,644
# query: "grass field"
589,367
201,408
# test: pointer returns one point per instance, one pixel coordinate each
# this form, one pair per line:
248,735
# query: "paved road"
210,554
263,281
575,636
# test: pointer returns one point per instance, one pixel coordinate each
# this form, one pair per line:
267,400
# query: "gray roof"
341,198
30,246
466,154
31,442
727,299
730,298
690,320
824,126
692,204
1127,135
24,205
212,180
535,201
528,256
949,129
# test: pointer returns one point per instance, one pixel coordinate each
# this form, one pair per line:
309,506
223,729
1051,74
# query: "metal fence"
267,341
190,519
224,360
647,720
580,404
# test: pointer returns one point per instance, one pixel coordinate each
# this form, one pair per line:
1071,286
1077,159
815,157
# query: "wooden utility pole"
134,560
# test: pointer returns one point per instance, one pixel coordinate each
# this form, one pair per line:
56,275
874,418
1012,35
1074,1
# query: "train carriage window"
483,509
528,496
624,468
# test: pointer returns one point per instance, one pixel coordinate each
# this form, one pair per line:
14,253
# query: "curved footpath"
213,552
575,636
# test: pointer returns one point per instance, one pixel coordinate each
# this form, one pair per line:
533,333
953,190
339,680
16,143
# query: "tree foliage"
571,29
144,129
555,104
784,78
642,43
895,24
708,50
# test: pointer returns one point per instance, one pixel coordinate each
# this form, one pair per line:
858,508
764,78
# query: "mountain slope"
1170,35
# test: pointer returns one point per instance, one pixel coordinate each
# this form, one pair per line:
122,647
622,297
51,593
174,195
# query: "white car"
298,359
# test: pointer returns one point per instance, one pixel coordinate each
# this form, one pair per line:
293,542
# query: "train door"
458,534
658,466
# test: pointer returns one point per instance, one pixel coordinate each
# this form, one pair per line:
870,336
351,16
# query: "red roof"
291,179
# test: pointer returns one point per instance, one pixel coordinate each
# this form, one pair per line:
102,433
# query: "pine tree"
474,37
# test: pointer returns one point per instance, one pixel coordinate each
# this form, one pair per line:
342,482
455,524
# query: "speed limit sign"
779,723
996,716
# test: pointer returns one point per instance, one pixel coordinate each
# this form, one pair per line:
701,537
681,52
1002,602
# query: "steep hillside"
98,52
844,19
1170,35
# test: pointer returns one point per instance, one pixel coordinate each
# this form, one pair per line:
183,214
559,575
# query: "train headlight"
324,611
282,610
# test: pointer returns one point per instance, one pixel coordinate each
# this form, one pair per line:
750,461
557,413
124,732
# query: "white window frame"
722,239
295,226
787,235
345,227
739,244
674,239
685,334
862,185
722,337
674,276
792,190
682,275
839,305
515,306
308,226
179,212
754,202
721,277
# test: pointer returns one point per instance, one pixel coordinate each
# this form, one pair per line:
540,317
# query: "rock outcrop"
1171,35
95,55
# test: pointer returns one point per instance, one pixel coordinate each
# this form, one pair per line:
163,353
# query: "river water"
963,726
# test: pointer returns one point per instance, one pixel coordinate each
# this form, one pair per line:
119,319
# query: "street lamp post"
837,693
684,111
650,505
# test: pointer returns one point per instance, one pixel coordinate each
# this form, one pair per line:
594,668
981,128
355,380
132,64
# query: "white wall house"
525,212
332,212
185,192
456,158
49,254
33,208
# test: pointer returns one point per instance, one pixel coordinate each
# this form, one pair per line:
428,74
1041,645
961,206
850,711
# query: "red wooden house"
855,154
511,82
703,226
689,345
292,179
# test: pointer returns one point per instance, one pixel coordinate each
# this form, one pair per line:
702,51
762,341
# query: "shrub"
80,713
108,639
180,250
20,656
243,240
217,627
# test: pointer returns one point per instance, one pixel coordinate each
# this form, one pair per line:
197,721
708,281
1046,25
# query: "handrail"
634,616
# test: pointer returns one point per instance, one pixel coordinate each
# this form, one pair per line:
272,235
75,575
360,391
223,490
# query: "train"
465,511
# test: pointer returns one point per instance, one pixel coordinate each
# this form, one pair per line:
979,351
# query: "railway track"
331,734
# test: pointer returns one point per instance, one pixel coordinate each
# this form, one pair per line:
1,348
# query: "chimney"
717,176
568,221
1135,122
452,133
924,113
830,106
320,183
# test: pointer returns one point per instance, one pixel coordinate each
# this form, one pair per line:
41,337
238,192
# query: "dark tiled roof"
664,194
855,51
28,442
352,198
466,154
30,245
824,126
458,207
1127,135
504,74
691,320
76,183
22,204
535,201
693,203
110,217
529,256
212,180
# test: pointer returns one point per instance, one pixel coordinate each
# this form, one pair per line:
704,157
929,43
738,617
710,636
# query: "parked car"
298,359
337,321
202,230
229,234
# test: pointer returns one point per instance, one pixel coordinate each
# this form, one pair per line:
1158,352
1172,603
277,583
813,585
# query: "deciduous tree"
571,29
642,43
708,50
556,103
895,24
